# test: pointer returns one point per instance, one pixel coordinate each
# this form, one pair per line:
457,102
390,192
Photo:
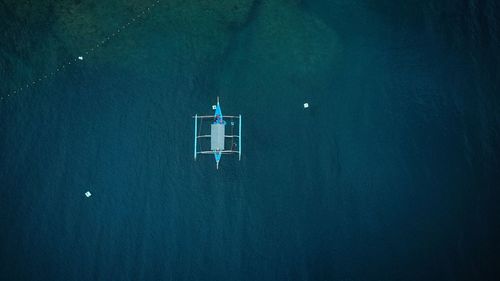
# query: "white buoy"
80,58
88,194
214,107
306,105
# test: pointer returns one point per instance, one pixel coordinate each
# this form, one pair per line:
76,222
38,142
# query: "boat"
217,136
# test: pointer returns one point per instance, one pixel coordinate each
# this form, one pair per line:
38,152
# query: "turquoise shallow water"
391,174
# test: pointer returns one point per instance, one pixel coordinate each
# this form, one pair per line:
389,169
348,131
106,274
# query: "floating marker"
80,58
88,194
306,105
214,107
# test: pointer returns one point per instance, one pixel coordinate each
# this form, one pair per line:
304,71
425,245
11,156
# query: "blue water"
391,174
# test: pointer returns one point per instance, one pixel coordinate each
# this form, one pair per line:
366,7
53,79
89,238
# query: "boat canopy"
217,137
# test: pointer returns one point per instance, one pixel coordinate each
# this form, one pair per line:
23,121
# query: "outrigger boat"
217,135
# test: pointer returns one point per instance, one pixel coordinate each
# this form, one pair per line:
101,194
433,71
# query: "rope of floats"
79,58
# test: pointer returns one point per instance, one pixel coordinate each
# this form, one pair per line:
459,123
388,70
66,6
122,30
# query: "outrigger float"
217,135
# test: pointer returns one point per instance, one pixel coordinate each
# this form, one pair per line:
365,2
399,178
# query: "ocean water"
391,174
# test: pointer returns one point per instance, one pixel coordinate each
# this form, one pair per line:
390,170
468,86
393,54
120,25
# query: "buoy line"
80,57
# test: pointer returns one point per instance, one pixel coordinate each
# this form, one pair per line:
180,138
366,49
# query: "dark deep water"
391,174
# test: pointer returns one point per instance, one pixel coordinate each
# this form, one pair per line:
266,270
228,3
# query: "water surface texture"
392,173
